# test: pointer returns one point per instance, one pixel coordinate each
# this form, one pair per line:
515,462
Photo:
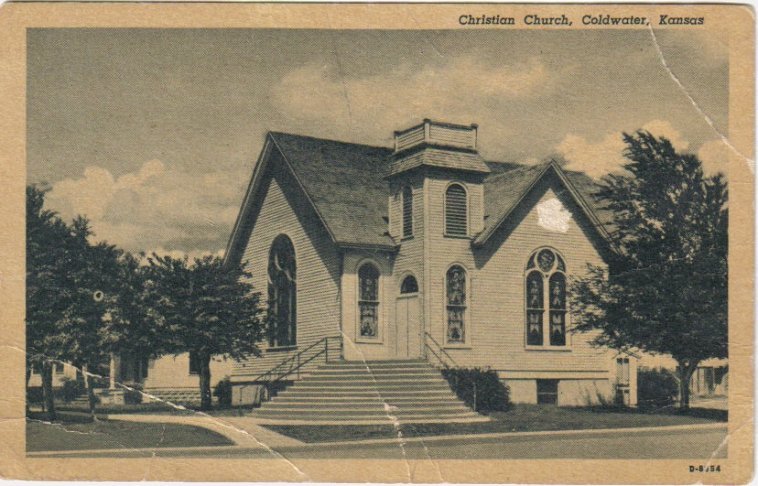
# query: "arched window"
368,301
456,211
455,285
282,293
409,285
407,212
545,292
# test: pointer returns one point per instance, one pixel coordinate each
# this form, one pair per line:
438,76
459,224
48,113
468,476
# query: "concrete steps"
375,392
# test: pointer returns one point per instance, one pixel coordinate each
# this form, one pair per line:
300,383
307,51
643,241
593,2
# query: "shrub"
656,388
223,392
133,394
70,389
479,388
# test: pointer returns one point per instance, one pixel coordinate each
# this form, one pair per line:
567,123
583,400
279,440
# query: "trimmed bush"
480,389
223,392
133,396
656,388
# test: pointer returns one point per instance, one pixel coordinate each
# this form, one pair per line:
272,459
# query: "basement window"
547,392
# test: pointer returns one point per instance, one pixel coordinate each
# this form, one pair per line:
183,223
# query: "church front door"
408,326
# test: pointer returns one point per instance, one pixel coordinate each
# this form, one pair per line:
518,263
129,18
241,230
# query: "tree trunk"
47,389
685,375
205,381
28,376
91,398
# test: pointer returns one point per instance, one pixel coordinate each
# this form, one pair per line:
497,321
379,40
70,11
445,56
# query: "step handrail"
441,351
295,362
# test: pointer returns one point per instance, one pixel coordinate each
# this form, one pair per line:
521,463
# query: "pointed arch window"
456,211
407,212
545,293
282,293
368,301
457,304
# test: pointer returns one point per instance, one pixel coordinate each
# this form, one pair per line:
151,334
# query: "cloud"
715,156
156,207
369,108
605,156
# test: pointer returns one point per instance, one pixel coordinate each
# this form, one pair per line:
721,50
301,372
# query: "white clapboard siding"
409,138
285,210
495,321
464,137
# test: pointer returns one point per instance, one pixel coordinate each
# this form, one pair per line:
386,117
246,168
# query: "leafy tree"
130,322
45,260
206,309
666,290
64,322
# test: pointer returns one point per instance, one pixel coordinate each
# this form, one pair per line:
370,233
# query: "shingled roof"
346,183
347,186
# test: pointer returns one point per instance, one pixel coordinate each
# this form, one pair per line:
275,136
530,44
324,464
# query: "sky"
153,134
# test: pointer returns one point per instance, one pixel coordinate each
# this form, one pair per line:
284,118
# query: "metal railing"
442,356
294,363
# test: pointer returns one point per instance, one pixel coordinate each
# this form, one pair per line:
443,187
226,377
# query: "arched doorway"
408,320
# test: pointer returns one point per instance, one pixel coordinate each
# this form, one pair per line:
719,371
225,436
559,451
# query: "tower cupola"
437,144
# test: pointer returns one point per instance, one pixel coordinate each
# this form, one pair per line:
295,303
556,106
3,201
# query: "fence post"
475,407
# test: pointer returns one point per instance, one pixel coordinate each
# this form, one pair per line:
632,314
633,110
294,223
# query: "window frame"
546,309
405,191
271,338
379,338
403,278
467,231
466,342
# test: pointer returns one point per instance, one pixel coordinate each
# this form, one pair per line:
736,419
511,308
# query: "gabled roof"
504,191
344,183
346,186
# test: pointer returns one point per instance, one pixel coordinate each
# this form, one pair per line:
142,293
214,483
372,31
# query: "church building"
423,252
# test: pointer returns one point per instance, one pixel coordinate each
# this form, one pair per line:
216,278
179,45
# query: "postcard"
377,242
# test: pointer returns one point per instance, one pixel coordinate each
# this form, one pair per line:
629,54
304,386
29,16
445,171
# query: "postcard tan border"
734,21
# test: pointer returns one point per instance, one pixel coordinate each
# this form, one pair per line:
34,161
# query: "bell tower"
439,157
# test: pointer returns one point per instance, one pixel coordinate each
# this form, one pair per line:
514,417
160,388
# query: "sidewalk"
243,431
252,439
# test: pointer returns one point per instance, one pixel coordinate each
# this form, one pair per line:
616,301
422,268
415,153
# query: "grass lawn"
521,418
106,434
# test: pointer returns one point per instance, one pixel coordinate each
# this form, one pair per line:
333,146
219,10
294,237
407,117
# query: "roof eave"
485,235
251,189
260,166
368,246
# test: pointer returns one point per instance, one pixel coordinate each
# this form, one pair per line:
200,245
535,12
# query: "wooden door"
408,327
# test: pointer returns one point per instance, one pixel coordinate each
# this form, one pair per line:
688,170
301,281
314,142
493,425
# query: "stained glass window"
557,309
545,295
534,308
282,293
368,301
456,304
456,211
